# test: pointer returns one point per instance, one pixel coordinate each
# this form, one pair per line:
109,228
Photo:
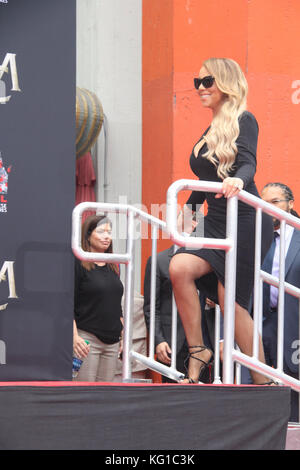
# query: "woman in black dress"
225,153
98,311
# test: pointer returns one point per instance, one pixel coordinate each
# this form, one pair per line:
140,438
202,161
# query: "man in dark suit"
163,315
282,197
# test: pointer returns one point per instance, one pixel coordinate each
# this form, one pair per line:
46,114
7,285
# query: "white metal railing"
228,244
231,354
127,259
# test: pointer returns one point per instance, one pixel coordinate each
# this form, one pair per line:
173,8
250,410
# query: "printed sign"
37,188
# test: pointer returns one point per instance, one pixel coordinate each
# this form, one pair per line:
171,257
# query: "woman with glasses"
98,312
226,152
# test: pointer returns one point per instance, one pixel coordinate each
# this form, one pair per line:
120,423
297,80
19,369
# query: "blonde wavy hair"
225,129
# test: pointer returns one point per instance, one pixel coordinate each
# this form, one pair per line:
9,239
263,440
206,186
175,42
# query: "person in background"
282,197
98,311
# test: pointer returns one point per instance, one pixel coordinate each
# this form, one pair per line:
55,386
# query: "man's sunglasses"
207,82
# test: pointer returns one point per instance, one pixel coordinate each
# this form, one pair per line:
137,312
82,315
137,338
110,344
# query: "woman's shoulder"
247,116
79,268
248,125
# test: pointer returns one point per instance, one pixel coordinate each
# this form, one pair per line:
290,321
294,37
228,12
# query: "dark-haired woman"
98,312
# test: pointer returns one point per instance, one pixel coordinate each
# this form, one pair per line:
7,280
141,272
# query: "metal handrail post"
174,333
256,297
217,378
230,282
261,286
238,370
129,300
281,293
174,328
153,292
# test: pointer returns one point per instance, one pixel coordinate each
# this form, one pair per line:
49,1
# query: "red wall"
262,36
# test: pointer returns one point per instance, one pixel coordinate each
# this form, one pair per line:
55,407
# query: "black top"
215,220
98,295
243,168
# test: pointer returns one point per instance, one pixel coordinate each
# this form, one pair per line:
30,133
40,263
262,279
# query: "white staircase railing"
231,354
127,259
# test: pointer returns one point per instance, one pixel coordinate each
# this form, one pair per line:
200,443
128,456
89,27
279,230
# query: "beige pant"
101,363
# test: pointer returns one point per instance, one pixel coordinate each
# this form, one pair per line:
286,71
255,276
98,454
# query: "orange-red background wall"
178,35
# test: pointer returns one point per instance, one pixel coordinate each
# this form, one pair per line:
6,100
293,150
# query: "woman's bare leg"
244,334
184,270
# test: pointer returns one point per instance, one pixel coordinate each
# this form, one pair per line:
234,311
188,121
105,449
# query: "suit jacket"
163,305
291,303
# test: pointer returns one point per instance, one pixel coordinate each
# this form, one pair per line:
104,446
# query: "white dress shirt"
275,268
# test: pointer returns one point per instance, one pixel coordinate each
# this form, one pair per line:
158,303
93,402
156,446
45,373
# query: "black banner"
144,417
37,187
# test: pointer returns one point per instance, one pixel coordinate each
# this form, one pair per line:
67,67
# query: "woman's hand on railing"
231,187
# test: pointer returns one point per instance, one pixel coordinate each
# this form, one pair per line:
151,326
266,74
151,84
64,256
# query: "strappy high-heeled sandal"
191,355
271,382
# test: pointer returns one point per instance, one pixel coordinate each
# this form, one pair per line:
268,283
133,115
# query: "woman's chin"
205,104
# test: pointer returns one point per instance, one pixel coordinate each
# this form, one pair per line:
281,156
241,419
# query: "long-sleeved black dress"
215,220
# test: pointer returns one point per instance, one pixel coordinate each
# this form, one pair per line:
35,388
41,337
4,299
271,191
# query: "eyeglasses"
207,82
277,201
101,231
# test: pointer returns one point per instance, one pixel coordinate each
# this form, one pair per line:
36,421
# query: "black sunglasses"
207,82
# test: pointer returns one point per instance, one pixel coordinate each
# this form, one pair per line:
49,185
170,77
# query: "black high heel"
191,355
271,382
